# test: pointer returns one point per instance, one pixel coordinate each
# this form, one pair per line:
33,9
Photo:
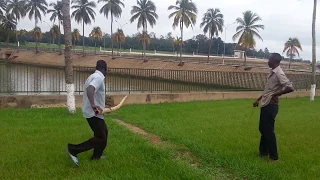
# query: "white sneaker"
73,158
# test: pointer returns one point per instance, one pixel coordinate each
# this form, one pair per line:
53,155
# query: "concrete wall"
59,100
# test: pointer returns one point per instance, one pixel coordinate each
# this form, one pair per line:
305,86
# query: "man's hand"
97,110
256,103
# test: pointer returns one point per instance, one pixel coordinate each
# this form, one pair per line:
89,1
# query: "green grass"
33,144
222,134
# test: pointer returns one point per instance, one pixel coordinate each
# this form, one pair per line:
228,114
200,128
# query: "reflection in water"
26,79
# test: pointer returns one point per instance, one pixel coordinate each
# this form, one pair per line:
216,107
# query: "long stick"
108,110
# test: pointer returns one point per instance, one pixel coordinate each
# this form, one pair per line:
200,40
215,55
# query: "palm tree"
21,33
16,8
291,47
9,25
37,34
114,8
71,104
144,12
119,37
3,7
177,42
34,8
185,14
55,32
96,34
314,57
247,31
75,36
57,15
213,23
83,13
144,37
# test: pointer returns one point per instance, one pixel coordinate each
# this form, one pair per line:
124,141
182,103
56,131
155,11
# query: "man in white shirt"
92,106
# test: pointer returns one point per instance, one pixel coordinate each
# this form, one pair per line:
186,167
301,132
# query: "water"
26,79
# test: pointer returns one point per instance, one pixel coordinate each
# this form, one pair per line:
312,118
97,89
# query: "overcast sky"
282,19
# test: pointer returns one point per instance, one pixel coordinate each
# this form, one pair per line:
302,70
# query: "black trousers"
268,143
98,142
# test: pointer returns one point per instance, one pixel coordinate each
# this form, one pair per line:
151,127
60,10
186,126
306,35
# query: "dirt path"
181,153
54,59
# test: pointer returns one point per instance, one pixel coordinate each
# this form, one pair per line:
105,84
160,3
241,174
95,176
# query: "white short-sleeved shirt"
97,81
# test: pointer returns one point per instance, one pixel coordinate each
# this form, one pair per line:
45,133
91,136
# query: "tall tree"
120,38
37,34
314,56
22,33
247,31
266,53
144,12
96,34
71,104
177,42
112,7
75,36
213,23
16,8
3,7
185,14
34,8
57,15
83,13
9,25
54,32
292,47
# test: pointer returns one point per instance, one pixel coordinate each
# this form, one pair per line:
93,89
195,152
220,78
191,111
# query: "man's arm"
90,94
286,90
284,81
95,84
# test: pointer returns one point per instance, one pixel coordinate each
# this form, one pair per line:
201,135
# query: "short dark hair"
276,57
101,65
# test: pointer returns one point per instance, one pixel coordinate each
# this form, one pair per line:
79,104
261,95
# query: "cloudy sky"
282,19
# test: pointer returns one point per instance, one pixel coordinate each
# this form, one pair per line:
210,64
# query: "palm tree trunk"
68,56
8,39
173,48
17,40
290,58
209,49
95,46
181,43
35,20
144,40
83,38
120,48
245,58
37,46
112,34
314,60
59,39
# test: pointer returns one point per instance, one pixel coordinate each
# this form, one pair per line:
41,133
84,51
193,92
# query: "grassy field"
222,134
33,144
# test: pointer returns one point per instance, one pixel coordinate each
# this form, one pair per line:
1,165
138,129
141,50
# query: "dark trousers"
268,143
98,142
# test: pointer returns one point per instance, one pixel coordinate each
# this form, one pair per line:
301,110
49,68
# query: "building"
239,54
